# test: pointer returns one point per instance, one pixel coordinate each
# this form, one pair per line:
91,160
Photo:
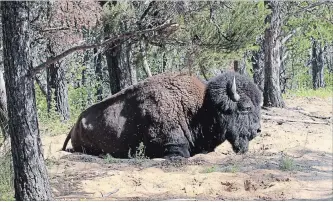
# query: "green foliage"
287,164
139,153
313,23
78,99
118,16
227,28
50,123
109,159
307,25
225,31
210,169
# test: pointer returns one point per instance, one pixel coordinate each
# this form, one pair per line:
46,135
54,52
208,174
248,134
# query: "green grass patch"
287,164
210,169
321,93
225,169
53,127
110,159
231,168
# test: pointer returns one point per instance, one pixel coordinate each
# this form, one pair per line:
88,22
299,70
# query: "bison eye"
245,109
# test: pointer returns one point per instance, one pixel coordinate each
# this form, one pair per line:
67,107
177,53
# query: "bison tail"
67,139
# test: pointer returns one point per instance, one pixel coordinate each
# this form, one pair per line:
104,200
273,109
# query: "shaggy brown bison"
173,115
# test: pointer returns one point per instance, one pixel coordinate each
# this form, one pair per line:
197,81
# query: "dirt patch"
290,160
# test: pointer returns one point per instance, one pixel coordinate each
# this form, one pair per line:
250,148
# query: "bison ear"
234,95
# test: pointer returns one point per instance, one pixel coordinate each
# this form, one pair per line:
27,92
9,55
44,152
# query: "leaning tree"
30,174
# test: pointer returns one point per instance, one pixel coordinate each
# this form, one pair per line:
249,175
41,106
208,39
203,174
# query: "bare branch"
313,5
42,87
286,38
106,43
285,56
281,120
55,29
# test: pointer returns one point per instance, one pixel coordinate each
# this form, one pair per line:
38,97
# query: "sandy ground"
290,160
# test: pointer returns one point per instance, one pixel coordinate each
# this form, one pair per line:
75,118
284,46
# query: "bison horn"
234,95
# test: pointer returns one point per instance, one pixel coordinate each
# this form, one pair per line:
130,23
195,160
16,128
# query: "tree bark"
120,60
242,65
283,74
144,59
317,63
57,89
3,107
122,73
272,45
56,85
258,63
30,174
164,62
99,74
329,58
236,65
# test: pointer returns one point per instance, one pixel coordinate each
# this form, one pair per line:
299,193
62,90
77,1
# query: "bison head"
235,103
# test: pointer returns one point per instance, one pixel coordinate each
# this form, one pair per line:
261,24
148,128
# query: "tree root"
282,120
313,116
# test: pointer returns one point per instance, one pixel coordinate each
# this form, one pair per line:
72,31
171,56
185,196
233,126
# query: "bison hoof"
175,158
70,150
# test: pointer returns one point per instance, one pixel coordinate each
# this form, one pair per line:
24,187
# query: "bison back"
157,112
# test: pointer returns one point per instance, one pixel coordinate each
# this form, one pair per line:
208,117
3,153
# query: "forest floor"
290,160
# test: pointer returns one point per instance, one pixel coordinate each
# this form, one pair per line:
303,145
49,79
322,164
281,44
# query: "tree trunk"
329,58
164,62
120,66
317,64
242,65
272,45
30,174
86,81
258,63
283,74
99,74
57,87
3,107
144,59
236,66
42,87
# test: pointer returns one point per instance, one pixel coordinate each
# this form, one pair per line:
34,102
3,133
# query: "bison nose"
259,130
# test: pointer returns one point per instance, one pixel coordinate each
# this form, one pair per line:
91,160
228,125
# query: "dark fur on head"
227,119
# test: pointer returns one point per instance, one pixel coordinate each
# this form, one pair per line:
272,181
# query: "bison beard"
173,115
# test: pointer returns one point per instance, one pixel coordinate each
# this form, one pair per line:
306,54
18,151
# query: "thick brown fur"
155,111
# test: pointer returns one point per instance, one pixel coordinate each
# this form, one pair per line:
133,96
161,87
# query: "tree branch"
106,43
50,29
311,6
281,120
284,57
42,87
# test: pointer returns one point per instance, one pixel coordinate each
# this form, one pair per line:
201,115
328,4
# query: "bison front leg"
175,143
172,150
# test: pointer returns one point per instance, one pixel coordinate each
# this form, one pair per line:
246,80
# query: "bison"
173,115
